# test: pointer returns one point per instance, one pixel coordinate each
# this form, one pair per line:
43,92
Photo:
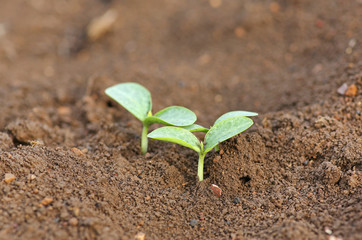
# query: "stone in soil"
216,190
140,236
193,223
9,177
73,221
351,91
46,201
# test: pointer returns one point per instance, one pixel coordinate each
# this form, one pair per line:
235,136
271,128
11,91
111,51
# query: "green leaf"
195,128
176,135
174,116
133,97
235,114
224,130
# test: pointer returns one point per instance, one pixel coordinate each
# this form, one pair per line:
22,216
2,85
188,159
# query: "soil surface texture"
70,162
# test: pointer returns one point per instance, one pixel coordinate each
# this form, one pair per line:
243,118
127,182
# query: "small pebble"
218,98
34,143
352,43
274,7
99,26
236,200
216,190
73,221
140,236
46,201
77,151
328,230
193,222
334,238
31,177
319,23
305,163
348,50
215,3
342,89
76,211
9,177
64,110
351,91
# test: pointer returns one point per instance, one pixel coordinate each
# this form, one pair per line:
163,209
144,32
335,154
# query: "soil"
70,166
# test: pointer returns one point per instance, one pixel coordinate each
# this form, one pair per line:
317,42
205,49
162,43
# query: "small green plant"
137,100
227,126
198,128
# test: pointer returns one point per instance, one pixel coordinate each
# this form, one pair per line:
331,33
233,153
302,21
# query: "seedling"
137,100
221,131
197,128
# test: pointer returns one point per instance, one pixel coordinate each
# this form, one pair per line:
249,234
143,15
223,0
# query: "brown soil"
74,153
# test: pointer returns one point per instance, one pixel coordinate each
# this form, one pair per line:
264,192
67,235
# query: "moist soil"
70,162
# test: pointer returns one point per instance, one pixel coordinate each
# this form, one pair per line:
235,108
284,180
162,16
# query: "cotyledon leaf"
173,115
176,135
224,130
133,97
235,114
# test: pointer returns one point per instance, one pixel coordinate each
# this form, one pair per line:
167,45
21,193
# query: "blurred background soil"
70,166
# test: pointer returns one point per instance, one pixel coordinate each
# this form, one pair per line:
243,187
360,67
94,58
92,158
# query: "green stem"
144,140
200,168
217,148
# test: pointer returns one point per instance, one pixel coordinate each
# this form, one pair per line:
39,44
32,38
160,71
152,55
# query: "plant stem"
217,148
144,140
200,167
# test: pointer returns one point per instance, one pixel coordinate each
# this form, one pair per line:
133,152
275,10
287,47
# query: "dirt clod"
329,173
26,130
5,141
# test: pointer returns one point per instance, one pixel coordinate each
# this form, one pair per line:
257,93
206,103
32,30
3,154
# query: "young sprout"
221,131
137,100
197,128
